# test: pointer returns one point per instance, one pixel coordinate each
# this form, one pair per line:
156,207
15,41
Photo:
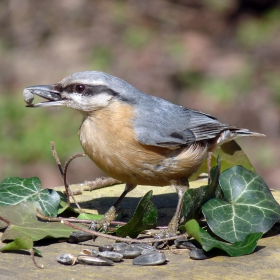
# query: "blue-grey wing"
160,123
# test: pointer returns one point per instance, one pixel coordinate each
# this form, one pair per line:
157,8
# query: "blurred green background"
220,57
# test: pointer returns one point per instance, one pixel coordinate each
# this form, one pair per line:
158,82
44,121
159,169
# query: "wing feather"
161,123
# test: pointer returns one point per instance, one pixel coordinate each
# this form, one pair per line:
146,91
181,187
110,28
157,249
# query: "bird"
134,137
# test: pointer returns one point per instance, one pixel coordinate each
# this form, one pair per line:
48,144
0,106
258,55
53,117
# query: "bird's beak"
48,92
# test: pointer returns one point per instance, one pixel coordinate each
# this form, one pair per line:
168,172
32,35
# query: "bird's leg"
209,158
111,214
181,187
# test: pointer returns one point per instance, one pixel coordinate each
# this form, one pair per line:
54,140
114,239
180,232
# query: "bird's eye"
79,88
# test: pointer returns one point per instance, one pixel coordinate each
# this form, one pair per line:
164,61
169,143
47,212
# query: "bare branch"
57,159
64,173
67,188
101,183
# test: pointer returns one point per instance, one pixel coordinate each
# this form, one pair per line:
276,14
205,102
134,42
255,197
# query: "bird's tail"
232,133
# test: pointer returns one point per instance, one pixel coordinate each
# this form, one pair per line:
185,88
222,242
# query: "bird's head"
84,91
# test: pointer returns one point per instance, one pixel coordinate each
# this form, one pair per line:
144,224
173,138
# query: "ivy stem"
34,260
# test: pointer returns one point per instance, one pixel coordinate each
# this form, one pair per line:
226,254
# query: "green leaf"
231,154
24,222
195,198
16,190
37,252
20,243
67,211
239,248
144,217
89,216
249,206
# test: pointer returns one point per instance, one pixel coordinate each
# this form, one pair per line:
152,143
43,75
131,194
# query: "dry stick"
63,174
60,169
121,239
78,192
5,220
75,220
33,259
58,219
65,181
56,158
101,183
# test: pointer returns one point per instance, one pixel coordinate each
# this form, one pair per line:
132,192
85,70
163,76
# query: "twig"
5,220
68,189
63,174
33,259
121,239
57,159
78,192
75,220
58,219
101,183
61,170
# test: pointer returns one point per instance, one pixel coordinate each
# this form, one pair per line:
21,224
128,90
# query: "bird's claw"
170,232
104,223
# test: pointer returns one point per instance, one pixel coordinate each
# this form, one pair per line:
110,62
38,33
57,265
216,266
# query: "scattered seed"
67,259
120,246
79,236
89,252
184,243
197,254
148,251
154,258
90,260
104,248
113,256
130,252
143,246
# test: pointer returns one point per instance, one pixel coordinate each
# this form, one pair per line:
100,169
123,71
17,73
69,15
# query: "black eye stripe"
89,90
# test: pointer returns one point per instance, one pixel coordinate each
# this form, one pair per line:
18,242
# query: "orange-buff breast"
108,138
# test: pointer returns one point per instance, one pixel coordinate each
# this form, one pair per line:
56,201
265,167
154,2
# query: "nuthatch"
137,138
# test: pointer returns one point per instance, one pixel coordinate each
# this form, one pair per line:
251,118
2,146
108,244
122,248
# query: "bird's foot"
104,223
170,232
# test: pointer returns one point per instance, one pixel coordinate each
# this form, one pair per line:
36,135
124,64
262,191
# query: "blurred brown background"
220,57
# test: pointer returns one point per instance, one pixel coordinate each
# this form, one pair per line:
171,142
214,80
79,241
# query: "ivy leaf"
238,248
20,243
23,221
231,154
68,211
16,190
89,216
144,217
249,206
195,198
37,252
